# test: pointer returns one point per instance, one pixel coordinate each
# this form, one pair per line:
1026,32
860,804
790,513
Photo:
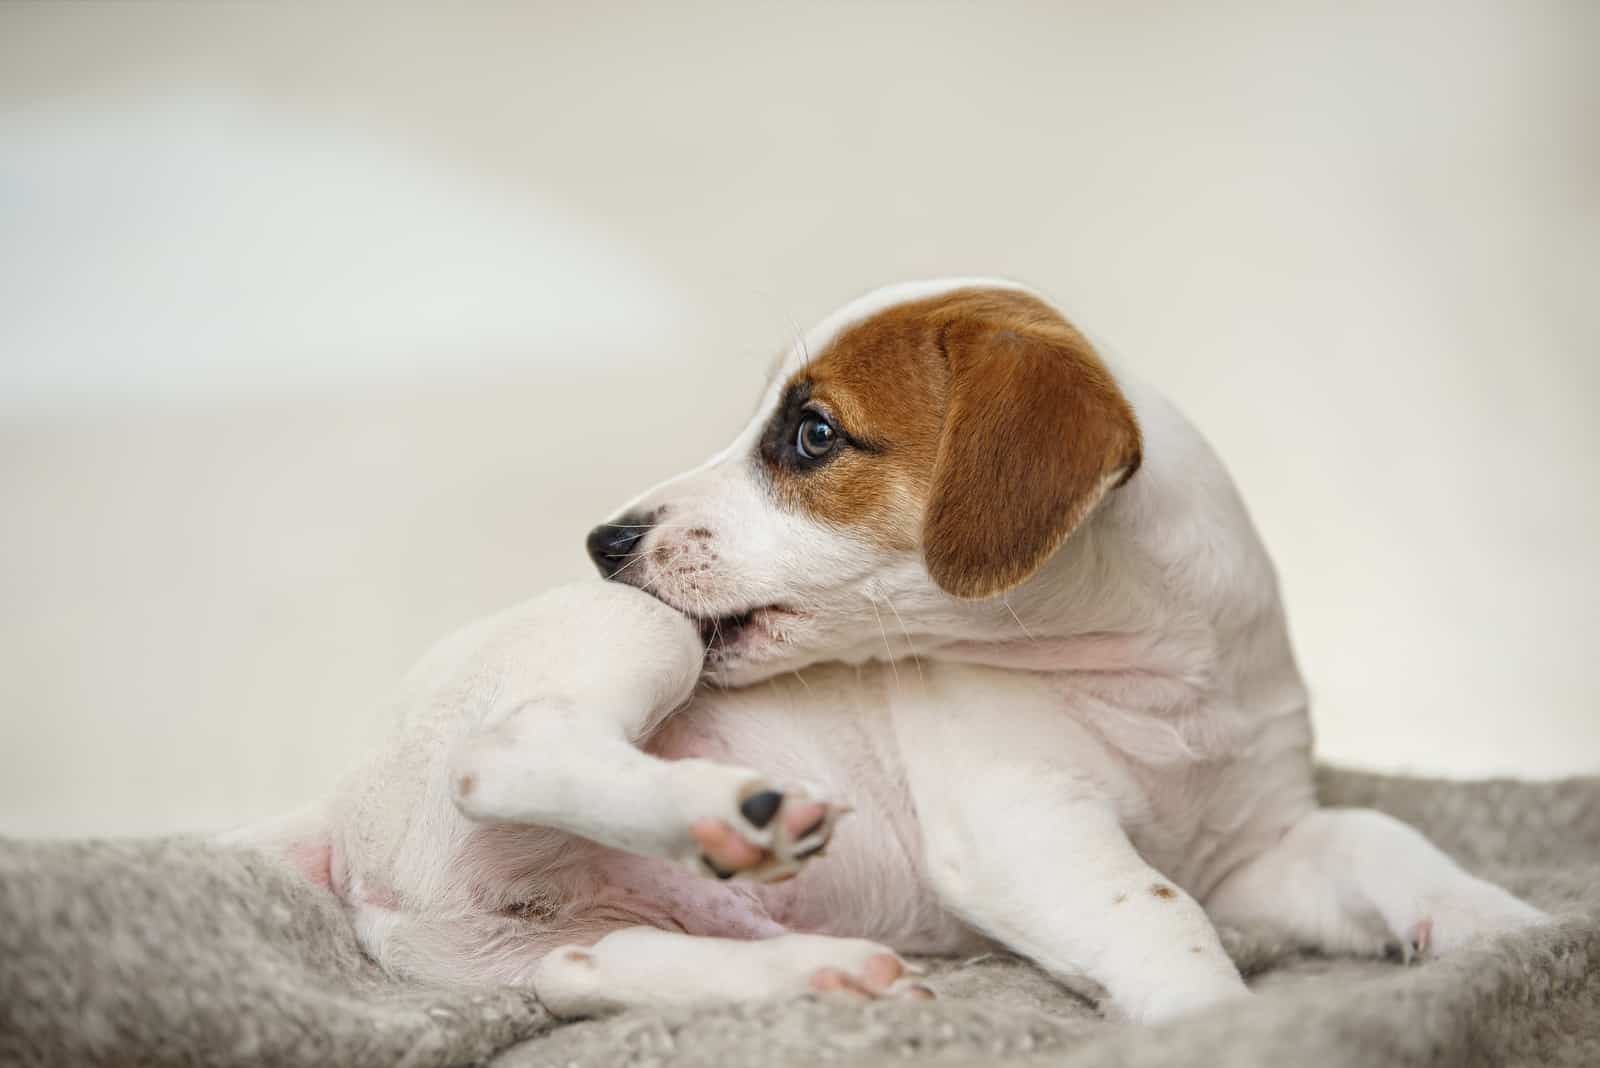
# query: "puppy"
958,577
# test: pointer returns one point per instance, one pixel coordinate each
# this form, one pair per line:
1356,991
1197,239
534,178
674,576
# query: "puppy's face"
921,452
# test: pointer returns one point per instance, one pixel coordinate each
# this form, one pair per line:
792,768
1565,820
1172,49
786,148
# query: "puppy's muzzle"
613,546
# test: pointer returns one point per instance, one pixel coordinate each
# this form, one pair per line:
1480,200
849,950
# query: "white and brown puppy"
1044,661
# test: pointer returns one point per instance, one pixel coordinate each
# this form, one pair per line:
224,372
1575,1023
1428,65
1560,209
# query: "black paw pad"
760,808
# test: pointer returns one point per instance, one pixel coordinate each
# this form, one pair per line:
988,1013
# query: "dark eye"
816,437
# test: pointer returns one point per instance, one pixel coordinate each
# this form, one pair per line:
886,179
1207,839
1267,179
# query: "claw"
1421,935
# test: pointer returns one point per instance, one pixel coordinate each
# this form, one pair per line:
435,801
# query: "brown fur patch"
882,381
992,428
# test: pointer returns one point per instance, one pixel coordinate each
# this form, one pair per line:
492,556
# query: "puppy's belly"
828,733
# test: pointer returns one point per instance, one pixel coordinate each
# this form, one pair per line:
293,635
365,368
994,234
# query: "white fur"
1078,770
882,299
641,965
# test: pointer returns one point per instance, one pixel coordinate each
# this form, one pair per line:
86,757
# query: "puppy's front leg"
1061,884
579,677
1027,849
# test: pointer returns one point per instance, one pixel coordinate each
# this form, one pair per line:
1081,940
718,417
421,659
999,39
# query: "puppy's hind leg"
471,948
1357,881
643,967
588,674
584,964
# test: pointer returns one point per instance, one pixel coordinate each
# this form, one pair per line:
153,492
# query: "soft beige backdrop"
324,330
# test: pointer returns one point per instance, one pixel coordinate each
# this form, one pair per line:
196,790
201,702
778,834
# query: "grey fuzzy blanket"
175,952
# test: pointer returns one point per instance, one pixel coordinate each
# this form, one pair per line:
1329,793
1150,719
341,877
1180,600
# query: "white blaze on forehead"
864,307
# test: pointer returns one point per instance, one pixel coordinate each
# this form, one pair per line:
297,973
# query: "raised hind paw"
714,819
776,833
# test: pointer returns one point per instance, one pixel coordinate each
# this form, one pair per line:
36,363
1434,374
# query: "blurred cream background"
325,330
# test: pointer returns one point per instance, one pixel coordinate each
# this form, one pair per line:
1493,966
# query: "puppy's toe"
722,848
803,818
833,980
881,975
882,970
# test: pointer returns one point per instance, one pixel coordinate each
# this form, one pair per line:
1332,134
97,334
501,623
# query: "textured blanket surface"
173,951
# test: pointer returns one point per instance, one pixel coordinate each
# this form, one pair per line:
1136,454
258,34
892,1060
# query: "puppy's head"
921,452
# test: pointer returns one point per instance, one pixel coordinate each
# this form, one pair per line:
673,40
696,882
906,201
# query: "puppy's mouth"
723,634
724,629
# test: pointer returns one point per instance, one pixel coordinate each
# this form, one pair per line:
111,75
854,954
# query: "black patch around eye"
777,440
777,446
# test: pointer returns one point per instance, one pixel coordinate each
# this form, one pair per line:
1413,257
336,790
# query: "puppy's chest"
1197,780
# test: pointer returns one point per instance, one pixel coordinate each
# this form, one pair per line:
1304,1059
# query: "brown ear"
1035,433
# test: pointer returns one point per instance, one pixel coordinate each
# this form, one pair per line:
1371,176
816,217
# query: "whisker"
705,652
644,587
637,557
909,647
895,671
716,626
1025,632
799,341
652,526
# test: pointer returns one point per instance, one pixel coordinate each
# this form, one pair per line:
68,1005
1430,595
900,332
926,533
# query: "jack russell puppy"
959,578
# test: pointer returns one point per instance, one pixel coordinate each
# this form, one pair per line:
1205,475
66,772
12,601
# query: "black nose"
611,545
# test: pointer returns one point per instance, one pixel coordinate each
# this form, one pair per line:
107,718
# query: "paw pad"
759,808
